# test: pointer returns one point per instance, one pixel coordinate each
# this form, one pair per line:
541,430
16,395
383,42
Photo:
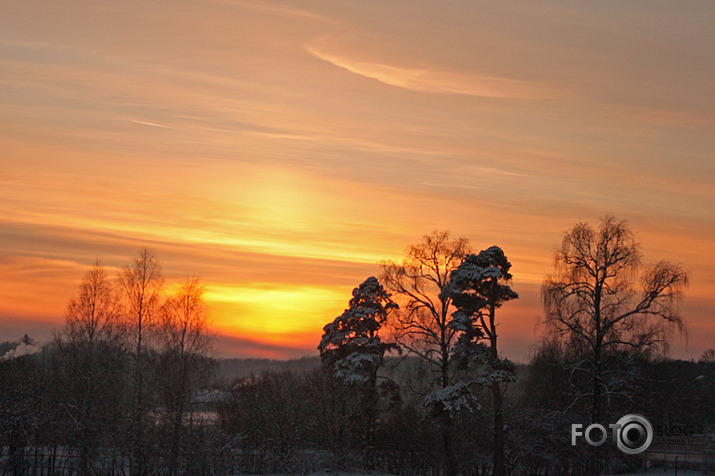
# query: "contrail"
152,124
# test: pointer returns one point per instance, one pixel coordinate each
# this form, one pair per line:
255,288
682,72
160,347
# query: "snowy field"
653,472
328,474
670,472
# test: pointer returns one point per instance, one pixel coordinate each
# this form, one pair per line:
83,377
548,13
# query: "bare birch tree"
418,283
141,284
92,316
422,326
89,345
592,300
185,348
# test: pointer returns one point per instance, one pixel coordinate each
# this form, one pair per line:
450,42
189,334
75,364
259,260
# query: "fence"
696,452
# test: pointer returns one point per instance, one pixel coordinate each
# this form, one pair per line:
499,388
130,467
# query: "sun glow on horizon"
274,309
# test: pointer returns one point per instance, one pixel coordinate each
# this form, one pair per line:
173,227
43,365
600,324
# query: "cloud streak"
152,124
430,80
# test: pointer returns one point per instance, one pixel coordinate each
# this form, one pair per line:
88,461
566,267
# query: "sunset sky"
280,150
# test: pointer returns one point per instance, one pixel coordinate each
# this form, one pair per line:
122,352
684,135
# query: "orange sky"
280,150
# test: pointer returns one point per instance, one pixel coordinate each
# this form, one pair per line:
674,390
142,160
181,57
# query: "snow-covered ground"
653,472
330,474
670,472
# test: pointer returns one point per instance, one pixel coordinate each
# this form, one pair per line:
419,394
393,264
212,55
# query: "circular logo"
634,434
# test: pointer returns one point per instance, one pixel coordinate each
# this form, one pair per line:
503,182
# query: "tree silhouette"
478,287
89,345
708,356
141,284
184,361
593,302
423,324
92,316
351,348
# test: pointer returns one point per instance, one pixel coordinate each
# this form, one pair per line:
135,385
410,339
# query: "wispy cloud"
152,124
273,9
429,80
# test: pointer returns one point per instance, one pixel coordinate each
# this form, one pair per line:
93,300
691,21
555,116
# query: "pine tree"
478,287
351,347
352,351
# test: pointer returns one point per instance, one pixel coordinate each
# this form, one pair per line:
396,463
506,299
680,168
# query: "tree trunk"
137,438
451,468
498,458
596,408
499,463
597,356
